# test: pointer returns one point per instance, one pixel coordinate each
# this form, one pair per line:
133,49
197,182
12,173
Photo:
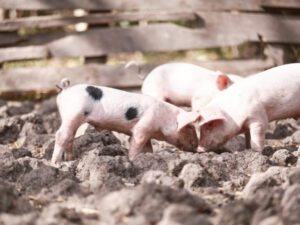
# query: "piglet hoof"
201,149
55,161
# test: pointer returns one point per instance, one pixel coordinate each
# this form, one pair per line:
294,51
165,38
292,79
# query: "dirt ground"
234,187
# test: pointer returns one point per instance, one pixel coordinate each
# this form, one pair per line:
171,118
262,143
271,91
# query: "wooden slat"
285,4
45,78
246,26
239,67
221,29
28,79
132,4
7,39
96,42
23,53
100,18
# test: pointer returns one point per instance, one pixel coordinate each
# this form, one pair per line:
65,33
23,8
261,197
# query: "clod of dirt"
104,172
160,177
283,157
10,200
268,151
291,205
268,203
272,177
282,129
236,144
24,108
195,176
236,213
296,137
182,215
40,146
149,200
94,139
149,161
9,166
24,219
37,175
20,153
272,220
10,129
61,190
294,176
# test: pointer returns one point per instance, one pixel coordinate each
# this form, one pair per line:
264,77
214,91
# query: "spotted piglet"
142,117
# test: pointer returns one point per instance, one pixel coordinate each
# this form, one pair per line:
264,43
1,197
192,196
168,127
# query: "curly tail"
64,83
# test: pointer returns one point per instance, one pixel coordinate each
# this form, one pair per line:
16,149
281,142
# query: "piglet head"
214,127
186,134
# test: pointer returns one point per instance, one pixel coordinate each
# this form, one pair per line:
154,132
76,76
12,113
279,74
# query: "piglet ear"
211,113
223,81
185,118
211,119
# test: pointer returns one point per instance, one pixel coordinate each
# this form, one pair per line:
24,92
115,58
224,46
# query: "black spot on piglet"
94,92
131,113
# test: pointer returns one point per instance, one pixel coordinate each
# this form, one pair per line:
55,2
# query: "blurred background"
42,41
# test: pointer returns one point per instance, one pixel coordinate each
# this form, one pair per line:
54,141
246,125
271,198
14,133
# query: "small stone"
160,177
294,176
182,215
291,205
270,178
268,151
272,220
283,157
238,212
193,175
296,137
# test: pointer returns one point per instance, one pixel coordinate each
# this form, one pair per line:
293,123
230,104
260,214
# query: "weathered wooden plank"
45,78
132,4
247,26
239,67
21,53
220,29
102,41
284,4
7,39
99,18
27,79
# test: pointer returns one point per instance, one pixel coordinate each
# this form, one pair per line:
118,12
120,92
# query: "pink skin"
249,105
155,119
184,84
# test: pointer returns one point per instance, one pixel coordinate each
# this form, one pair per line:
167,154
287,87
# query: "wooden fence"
209,24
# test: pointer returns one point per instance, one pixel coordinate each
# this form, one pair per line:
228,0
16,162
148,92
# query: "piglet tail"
64,83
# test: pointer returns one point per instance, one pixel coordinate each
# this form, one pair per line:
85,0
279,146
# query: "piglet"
249,105
185,84
142,117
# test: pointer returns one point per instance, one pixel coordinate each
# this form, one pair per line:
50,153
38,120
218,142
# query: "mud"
235,186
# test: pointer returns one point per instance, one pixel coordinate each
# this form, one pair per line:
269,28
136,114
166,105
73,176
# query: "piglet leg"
64,141
257,134
139,143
